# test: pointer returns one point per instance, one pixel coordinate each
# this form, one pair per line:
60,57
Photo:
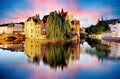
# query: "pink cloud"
51,5
43,7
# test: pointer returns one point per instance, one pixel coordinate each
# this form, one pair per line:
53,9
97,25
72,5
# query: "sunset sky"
87,11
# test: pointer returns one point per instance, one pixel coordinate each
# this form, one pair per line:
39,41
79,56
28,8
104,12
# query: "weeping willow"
57,27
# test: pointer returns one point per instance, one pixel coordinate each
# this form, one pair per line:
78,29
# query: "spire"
62,10
102,18
37,17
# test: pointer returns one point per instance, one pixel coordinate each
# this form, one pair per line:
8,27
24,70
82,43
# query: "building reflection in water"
114,49
34,50
104,50
54,55
16,45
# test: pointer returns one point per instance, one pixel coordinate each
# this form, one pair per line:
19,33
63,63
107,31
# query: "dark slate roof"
7,24
112,21
4,24
45,18
35,18
21,23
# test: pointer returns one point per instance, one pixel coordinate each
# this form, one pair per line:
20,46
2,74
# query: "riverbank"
3,38
40,41
45,41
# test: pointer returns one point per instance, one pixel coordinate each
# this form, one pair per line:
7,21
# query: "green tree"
101,51
98,28
57,27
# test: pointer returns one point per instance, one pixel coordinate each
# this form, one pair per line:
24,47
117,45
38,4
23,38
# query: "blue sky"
87,11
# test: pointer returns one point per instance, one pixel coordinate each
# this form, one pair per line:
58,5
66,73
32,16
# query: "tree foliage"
57,27
97,29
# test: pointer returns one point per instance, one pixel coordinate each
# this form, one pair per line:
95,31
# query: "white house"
3,28
115,30
12,28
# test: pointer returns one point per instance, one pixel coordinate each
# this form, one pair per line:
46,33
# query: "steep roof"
34,18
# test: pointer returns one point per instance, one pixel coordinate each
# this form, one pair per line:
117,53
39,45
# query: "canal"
32,59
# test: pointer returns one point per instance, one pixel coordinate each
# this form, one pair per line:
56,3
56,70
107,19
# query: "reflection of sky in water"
9,65
14,65
9,57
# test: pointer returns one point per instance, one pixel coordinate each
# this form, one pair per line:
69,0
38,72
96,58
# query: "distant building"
115,30
35,28
110,21
3,28
114,27
15,28
11,28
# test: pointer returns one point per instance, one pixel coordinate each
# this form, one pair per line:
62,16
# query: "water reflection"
60,61
114,48
17,45
55,55
103,49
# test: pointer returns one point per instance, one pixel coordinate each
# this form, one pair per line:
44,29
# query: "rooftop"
34,18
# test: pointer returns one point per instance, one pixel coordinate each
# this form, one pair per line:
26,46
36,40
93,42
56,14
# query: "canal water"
87,59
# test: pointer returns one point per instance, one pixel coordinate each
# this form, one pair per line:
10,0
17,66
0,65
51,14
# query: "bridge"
17,36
